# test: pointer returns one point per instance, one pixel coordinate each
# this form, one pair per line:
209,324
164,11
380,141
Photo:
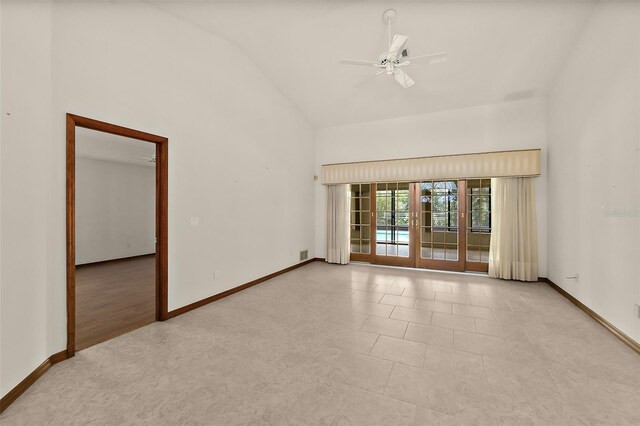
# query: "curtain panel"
338,224
513,252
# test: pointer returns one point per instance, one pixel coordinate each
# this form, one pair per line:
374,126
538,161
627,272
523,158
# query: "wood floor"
113,298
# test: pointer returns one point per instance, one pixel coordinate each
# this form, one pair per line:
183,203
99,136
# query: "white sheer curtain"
513,254
338,224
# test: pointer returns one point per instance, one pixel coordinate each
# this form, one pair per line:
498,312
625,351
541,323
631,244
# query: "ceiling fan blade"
432,58
403,78
367,78
397,46
358,62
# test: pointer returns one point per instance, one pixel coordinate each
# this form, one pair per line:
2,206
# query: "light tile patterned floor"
355,344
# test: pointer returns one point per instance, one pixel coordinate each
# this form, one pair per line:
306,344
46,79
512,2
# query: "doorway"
125,280
440,224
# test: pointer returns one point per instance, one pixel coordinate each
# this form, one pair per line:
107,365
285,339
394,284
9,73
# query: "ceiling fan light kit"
397,57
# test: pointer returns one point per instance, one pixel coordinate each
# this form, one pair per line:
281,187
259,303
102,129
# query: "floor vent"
304,254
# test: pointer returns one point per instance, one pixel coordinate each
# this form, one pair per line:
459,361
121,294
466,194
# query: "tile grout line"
373,346
386,383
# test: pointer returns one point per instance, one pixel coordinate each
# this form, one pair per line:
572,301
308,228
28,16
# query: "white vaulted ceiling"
498,51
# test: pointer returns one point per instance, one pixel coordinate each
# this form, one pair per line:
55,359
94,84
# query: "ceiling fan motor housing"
396,58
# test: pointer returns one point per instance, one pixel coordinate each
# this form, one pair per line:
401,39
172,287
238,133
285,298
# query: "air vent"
518,96
304,254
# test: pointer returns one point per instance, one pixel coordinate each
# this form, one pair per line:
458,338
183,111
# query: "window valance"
461,166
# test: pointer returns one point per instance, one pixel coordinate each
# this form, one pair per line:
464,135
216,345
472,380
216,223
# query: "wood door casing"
161,142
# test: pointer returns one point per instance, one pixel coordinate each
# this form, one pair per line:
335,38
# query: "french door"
440,238
432,224
393,217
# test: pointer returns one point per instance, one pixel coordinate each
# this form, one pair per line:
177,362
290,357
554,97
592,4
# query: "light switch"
194,221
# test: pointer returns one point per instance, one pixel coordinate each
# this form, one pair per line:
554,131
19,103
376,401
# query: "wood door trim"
414,220
360,257
373,226
73,121
462,225
476,266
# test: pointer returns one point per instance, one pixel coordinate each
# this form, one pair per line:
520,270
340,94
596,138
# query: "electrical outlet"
216,274
637,310
304,254
194,221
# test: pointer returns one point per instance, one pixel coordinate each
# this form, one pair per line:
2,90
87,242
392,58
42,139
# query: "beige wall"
234,143
594,173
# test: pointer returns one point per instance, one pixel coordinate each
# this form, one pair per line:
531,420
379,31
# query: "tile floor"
357,345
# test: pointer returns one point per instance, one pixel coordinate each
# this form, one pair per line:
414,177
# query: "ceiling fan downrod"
388,17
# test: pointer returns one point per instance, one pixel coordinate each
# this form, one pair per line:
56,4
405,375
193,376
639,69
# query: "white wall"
115,210
238,151
594,163
513,125
26,184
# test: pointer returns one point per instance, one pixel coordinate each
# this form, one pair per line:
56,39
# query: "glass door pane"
360,226
478,223
438,220
392,219
393,223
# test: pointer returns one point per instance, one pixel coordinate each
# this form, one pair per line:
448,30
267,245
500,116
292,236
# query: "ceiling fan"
397,57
